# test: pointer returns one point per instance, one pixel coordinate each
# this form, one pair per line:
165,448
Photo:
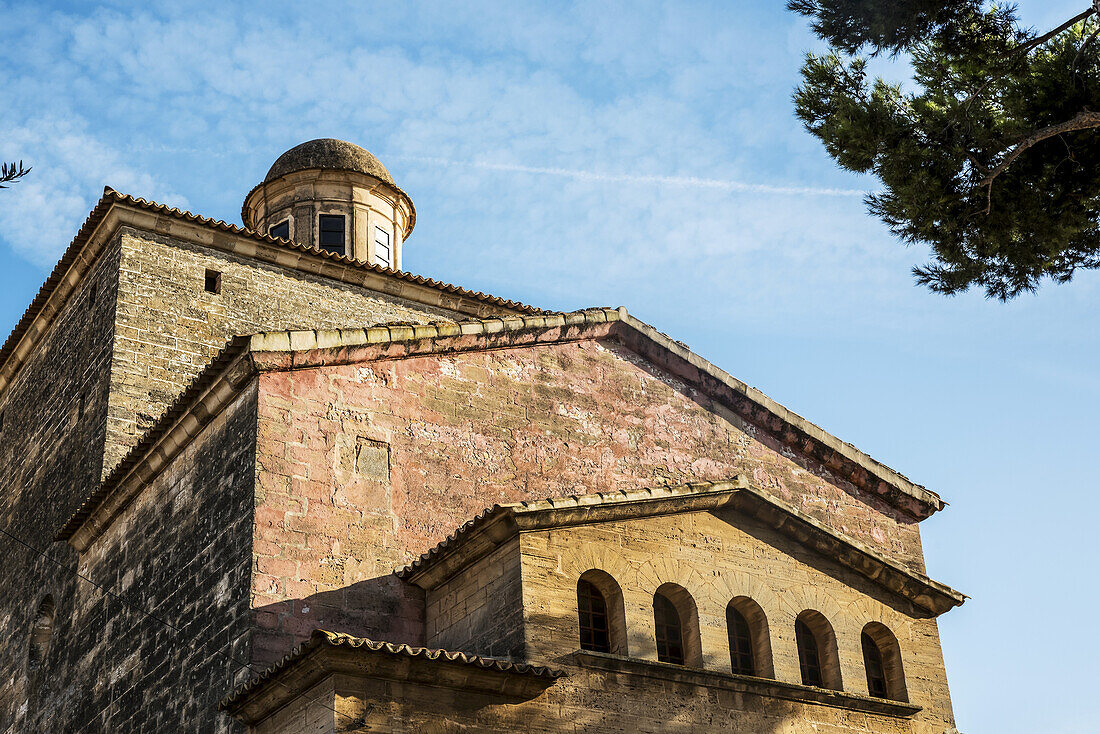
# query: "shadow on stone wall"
383,608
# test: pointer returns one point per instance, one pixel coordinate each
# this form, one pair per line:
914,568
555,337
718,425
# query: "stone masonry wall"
461,433
480,609
590,701
169,327
716,557
181,552
51,449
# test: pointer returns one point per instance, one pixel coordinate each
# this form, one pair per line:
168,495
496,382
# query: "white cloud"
41,213
634,178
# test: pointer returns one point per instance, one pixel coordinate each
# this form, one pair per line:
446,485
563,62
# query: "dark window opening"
382,253
281,230
41,633
80,407
213,281
592,610
669,631
809,659
332,233
740,636
91,297
876,671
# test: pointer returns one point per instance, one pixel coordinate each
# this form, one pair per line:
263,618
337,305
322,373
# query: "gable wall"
169,327
716,557
50,459
459,433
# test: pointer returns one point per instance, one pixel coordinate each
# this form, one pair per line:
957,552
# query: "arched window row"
602,628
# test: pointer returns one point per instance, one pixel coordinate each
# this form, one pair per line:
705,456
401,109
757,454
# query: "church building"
262,480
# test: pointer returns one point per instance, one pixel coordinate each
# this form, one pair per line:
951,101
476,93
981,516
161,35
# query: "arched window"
876,671
600,615
676,626
809,659
882,661
592,610
818,658
41,633
742,659
750,643
670,632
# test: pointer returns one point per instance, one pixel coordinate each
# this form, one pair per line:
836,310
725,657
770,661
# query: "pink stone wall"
466,431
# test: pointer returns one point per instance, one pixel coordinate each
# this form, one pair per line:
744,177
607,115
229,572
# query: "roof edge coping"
446,557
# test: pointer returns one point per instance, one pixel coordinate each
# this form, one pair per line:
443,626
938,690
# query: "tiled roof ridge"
111,197
290,244
321,637
308,339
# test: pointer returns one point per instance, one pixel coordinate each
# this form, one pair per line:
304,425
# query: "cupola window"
382,253
281,230
331,232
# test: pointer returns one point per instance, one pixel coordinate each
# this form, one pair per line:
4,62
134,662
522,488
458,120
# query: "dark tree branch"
10,172
1040,40
1084,120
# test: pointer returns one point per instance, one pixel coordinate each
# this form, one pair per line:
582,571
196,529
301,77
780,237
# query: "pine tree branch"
1084,120
1040,40
1020,52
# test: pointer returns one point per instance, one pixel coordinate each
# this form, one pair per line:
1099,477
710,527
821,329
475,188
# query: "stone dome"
331,154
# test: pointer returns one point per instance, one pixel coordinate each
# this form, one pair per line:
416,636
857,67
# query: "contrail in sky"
684,181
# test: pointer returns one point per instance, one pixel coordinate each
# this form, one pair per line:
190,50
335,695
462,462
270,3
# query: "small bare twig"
10,172
1084,44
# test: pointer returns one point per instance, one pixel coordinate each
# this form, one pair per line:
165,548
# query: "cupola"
333,195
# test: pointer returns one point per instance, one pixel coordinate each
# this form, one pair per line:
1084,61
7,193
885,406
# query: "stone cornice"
743,684
500,523
328,653
290,350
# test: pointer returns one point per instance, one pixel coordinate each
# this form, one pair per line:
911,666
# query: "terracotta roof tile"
321,638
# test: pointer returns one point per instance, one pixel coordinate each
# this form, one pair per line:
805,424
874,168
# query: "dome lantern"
335,196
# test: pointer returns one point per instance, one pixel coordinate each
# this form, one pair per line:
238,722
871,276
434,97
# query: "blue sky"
615,153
